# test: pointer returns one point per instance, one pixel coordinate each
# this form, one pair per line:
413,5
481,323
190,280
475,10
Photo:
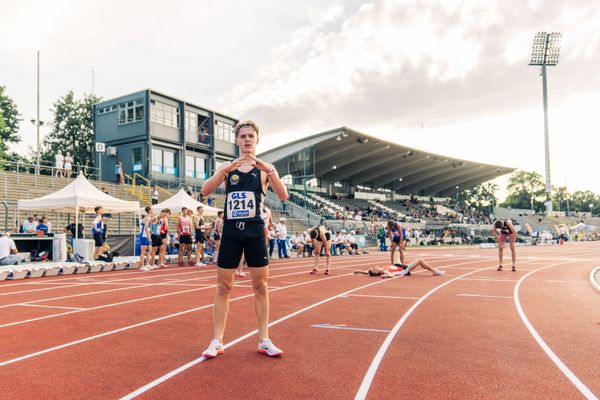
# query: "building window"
105,110
195,167
132,111
157,163
170,167
137,159
165,114
224,131
191,122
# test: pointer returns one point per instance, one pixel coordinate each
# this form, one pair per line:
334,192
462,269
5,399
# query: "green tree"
560,197
523,187
481,197
72,130
9,128
582,199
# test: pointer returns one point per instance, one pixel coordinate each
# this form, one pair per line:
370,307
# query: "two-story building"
162,138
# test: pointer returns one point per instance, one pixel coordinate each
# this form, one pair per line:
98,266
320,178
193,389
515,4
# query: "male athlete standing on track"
506,230
246,181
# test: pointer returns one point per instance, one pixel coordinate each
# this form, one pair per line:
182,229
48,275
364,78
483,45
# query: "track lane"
570,332
495,359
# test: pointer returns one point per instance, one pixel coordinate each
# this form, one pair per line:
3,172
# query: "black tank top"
327,234
244,199
505,229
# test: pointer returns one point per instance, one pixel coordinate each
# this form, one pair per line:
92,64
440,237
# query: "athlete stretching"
503,229
246,180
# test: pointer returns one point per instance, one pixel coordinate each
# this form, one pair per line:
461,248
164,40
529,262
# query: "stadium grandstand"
353,181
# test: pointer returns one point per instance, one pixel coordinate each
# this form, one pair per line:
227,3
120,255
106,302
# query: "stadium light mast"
545,51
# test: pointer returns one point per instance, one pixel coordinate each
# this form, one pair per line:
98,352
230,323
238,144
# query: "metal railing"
47,168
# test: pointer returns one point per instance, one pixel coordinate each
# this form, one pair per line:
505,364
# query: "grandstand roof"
365,160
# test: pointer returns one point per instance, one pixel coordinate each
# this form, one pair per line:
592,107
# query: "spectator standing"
281,230
154,195
119,178
97,228
68,167
59,160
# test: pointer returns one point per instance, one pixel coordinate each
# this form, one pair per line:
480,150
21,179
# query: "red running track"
473,333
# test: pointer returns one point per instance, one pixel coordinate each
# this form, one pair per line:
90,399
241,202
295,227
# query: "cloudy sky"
445,76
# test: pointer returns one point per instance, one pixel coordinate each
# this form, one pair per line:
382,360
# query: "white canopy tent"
181,199
79,196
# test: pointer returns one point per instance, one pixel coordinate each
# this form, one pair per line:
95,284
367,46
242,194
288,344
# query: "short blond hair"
246,124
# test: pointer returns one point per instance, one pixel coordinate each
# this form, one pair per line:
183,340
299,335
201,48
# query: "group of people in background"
63,165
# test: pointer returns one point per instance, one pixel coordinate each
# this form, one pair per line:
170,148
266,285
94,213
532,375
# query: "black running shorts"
98,239
243,238
156,240
200,237
185,239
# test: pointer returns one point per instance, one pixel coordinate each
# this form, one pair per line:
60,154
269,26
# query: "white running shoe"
200,264
214,349
439,273
145,269
267,347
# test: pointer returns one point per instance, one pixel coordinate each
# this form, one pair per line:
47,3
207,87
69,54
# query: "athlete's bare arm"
221,174
270,176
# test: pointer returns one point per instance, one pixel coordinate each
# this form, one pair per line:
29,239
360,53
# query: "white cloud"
458,68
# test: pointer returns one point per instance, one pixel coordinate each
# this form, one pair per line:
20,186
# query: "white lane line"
147,322
363,390
133,301
139,285
39,305
198,360
585,391
144,285
348,328
381,297
488,280
483,295
593,280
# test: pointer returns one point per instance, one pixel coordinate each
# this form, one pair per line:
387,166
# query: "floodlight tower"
546,49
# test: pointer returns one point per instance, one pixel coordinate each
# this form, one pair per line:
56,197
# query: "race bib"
185,229
241,205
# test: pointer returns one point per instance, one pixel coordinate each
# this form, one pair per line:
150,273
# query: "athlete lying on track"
400,269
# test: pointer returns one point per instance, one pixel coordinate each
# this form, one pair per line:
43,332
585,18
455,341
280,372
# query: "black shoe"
286,257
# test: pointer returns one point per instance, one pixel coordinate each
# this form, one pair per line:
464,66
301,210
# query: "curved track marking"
363,390
585,391
184,367
198,360
593,278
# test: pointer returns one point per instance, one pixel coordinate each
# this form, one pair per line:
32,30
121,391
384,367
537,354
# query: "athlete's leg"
260,277
317,246
500,253
221,308
402,249
393,252
513,252
327,247
161,253
142,256
420,262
